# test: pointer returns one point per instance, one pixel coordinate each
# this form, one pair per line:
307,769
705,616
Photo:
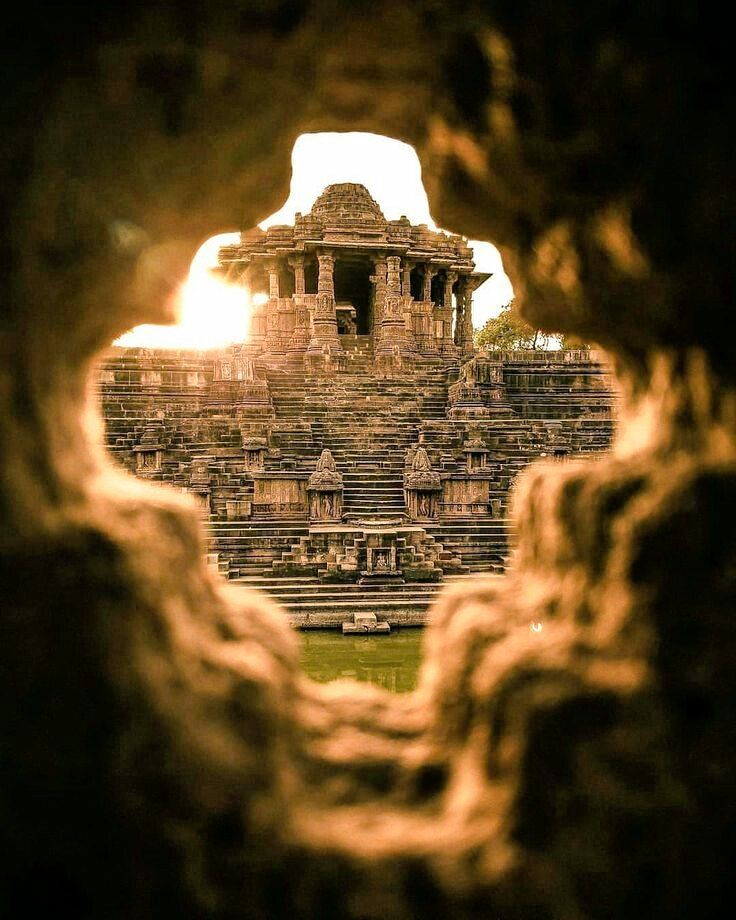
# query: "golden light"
536,627
214,314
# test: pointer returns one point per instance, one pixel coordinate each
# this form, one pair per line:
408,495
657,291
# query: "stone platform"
169,420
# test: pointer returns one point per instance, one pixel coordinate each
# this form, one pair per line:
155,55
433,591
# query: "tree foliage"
508,332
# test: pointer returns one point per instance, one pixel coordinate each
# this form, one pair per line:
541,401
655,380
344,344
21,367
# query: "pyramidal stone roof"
348,201
346,215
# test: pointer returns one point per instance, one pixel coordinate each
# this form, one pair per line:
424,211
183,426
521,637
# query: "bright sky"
214,314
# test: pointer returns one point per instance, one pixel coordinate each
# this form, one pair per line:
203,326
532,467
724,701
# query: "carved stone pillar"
274,339
407,302
459,312
427,337
297,264
450,279
299,341
393,276
429,274
326,279
273,280
378,279
446,344
200,485
255,342
406,278
324,346
393,340
465,323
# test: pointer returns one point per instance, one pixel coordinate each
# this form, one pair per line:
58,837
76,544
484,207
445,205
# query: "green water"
390,661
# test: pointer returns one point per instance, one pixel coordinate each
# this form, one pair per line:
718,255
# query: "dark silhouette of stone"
162,754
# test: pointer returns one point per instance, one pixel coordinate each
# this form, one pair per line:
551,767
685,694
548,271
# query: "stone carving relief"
422,486
325,489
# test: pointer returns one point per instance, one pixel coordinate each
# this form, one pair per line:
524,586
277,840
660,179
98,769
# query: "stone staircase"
312,604
249,548
368,422
482,545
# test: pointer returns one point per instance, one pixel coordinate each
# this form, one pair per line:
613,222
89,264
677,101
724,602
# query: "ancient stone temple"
343,269
353,452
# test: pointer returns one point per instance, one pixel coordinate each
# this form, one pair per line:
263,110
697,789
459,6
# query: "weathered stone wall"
175,399
162,754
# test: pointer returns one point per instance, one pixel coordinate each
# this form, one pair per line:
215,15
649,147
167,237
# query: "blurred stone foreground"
161,753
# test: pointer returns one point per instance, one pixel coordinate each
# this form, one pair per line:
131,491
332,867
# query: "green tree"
508,331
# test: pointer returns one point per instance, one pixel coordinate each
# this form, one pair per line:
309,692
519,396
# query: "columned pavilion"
343,269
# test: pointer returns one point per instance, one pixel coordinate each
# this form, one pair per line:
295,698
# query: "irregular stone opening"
162,753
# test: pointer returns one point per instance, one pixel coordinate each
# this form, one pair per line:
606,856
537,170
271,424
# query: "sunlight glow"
214,314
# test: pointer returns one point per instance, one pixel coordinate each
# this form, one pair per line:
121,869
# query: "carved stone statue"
325,489
326,464
421,485
421,461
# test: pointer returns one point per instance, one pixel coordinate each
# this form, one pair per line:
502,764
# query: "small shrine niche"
222,370
325,491
200,483
557,443
422,486
149,452
381,558
244,368
254,453
476,455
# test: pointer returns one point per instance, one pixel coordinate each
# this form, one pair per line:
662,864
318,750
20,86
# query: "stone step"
366,496
360,502
276,582
408,602
464,578
364,623
338,593
268,532
480,531
376,488
240,571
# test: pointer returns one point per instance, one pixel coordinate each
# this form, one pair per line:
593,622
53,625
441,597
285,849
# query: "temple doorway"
353,290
